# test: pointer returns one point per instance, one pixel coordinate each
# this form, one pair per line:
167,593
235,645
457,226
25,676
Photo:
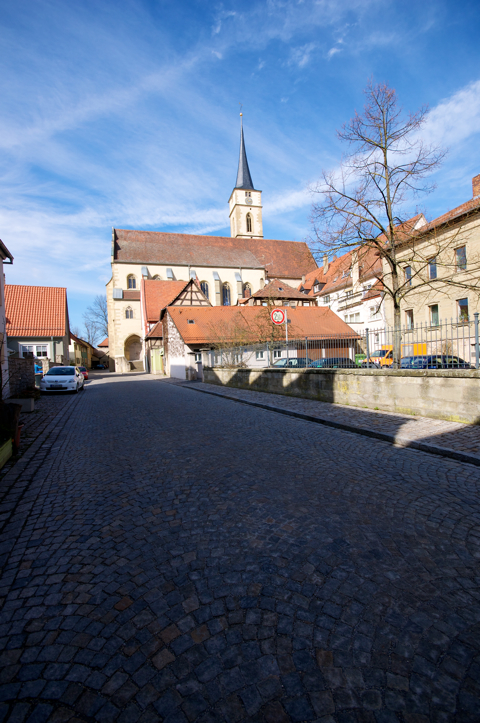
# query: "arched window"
131,282
128,313
249,223
157,277
226,295
204,288
247,291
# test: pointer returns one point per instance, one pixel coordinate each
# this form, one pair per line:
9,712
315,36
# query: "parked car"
101,366
406,362
338,362
62,379
439,361
84,371
295,362
379,358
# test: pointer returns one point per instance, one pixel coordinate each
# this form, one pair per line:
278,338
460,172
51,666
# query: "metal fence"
446,345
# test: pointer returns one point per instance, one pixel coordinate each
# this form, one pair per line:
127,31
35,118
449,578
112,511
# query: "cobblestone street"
176,556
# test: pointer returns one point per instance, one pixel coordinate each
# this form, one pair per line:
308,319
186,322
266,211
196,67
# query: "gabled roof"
287,259
103,343
276,289
158,295
5,253
156,332
305,321
33,311
81,341
244,179
338,275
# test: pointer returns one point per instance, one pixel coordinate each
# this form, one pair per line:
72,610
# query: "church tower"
245,202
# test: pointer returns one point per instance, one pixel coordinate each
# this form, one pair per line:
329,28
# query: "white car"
62,379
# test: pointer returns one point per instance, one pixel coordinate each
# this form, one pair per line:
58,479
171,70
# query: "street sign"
278,316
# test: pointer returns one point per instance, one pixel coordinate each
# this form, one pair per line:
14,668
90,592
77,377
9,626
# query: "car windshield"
61,372
380,352
82,369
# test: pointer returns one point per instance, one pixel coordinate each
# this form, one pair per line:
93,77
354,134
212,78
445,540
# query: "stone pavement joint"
352,419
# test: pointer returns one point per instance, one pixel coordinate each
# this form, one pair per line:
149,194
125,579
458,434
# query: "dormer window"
190,321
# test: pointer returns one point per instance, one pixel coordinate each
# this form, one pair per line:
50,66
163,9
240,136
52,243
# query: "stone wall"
451,395
21,375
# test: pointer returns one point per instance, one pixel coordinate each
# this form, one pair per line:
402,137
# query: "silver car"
62,379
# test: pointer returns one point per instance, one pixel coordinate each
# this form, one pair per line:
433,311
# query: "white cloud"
301,56
332,52
454,119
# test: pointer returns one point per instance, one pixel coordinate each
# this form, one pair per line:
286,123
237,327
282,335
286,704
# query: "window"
409,319
462,309
226,295
408,275
28,351
461,258
277,353
354,318
198,357
432,268
373,312
326,299
190,321
128,313
349,293
316,288
259,354
286,303
247,291
42,350
157,277
218,358
204,288
131,282
249,223
248,197
433,315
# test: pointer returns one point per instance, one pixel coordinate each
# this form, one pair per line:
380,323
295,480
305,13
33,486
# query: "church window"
131,282
226,295
204,288
128,313
249,223
247,291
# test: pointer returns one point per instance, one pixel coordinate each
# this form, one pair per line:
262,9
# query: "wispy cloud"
301,56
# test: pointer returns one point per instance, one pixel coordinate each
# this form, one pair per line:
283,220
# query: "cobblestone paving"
402,427
180,557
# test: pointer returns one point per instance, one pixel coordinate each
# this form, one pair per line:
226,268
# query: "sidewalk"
448,439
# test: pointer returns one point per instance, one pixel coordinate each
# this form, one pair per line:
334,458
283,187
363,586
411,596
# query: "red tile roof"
103,343
287,259
156,332
276,289
33,311
131,294
338,274
158,295
209,322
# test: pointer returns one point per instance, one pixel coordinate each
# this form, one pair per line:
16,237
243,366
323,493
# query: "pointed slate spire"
244,179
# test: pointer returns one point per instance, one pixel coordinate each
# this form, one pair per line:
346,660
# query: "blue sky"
125,113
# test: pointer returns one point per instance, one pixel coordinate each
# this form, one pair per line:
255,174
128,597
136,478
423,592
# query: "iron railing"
444,345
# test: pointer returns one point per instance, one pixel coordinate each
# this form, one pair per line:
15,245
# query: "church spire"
244,179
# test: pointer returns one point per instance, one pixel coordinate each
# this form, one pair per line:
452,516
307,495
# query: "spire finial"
244,179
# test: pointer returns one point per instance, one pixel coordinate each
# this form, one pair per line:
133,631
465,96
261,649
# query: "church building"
228,269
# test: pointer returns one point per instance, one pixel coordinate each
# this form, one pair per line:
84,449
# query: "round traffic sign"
278,316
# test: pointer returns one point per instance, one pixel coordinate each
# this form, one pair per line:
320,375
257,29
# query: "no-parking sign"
278,316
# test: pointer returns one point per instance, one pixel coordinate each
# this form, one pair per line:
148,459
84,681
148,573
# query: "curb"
398,441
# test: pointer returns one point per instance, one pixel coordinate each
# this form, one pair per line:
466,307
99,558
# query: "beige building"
228,269
440,264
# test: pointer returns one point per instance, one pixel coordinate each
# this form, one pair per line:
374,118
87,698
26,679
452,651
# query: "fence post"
268,354
306,350
477,350
368,348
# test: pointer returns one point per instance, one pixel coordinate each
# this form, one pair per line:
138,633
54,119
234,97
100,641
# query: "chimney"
476,186
325,264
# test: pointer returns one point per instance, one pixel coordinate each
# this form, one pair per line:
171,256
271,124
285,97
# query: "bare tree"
95,320
364,204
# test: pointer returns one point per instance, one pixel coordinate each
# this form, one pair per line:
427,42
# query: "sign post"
279,316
